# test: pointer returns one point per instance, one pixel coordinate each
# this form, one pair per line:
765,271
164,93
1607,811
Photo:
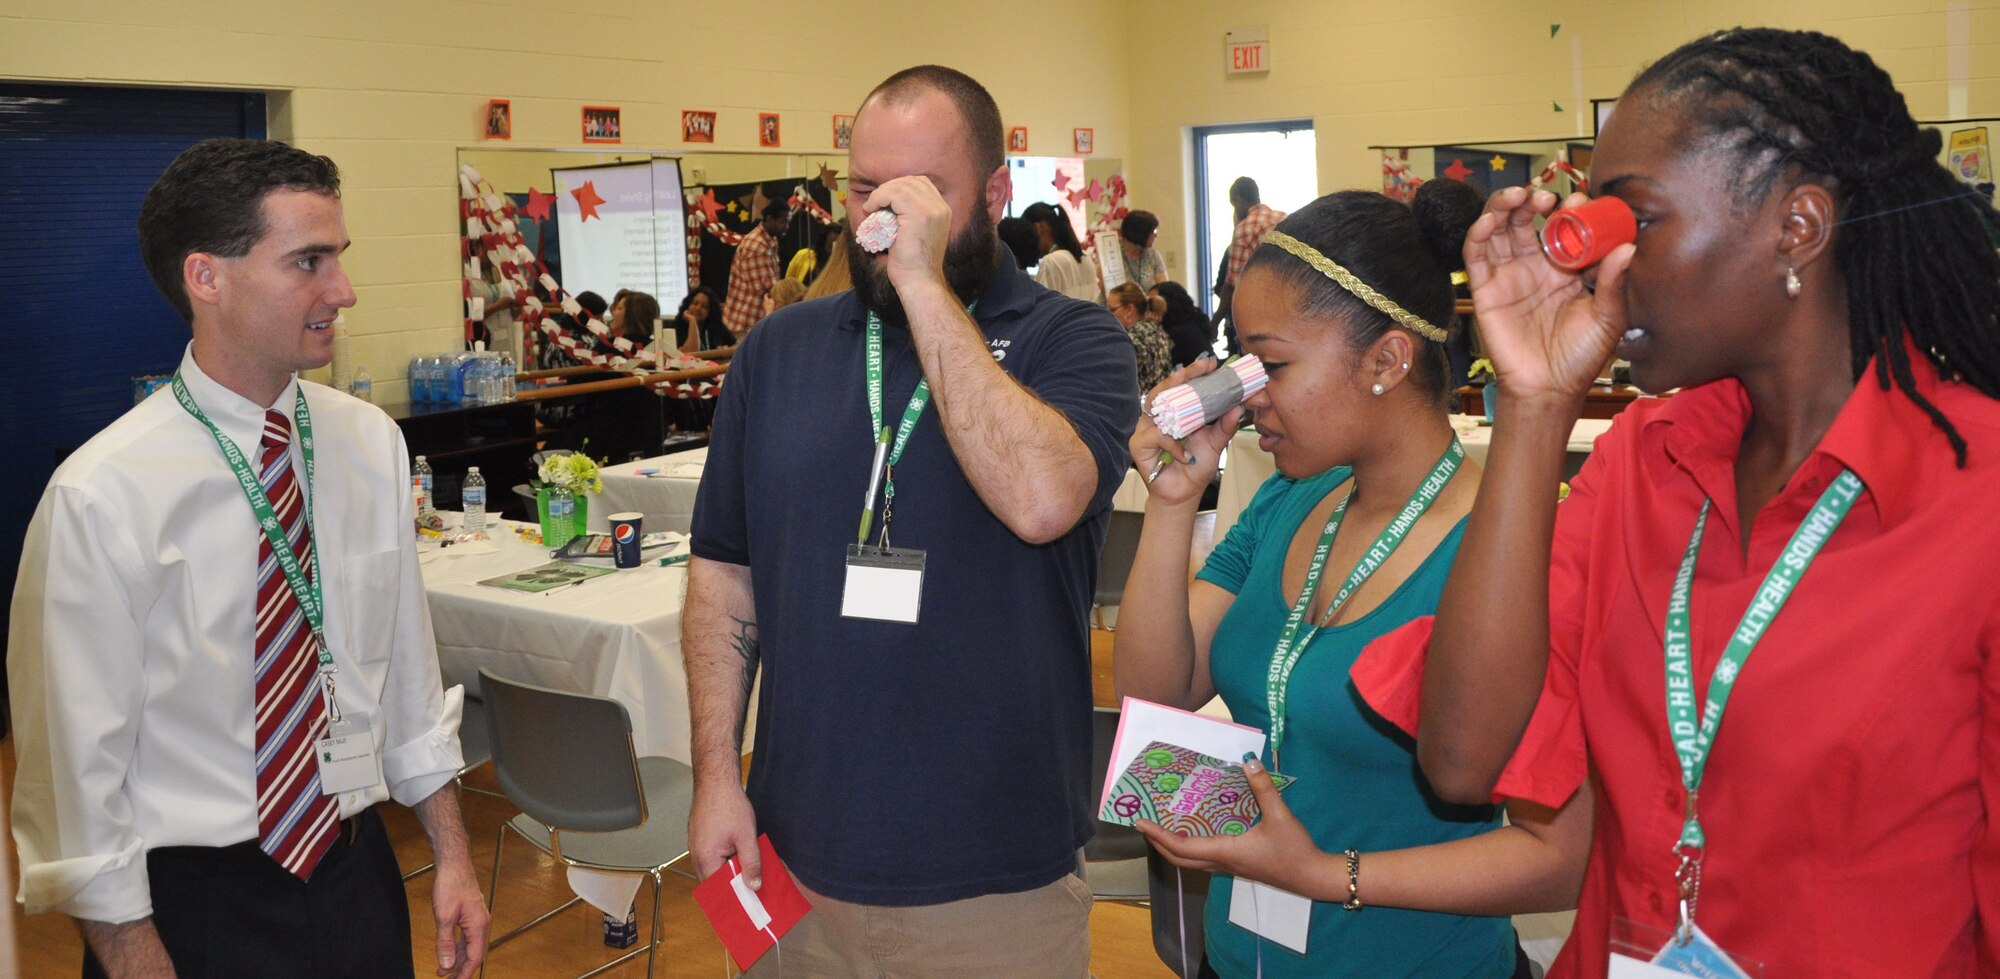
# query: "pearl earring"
1378,389
1406,366
1792,285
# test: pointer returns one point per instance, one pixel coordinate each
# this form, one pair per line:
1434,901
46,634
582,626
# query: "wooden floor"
1121,935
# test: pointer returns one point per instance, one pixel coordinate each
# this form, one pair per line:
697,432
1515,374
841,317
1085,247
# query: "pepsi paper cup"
625,532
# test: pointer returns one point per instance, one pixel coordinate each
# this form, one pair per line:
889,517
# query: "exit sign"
1247,49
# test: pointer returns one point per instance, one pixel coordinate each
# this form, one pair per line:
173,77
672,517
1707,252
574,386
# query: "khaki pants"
1040,933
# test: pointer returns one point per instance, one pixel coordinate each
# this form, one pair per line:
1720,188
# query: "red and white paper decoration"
490,232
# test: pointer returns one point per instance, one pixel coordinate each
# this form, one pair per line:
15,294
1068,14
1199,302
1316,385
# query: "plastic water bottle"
489,373
473,497
507,372
459,375
435,387
418,496
476,382
562,516
421,472
364,386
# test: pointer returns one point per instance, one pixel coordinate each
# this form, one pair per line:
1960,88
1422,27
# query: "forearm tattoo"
745,641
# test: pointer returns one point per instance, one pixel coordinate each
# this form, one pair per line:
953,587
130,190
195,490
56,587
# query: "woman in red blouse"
1825,295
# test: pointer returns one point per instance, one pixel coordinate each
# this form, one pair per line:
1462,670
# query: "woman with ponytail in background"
1817,494
1348,302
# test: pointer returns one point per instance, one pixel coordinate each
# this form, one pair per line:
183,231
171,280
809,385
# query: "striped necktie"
295,822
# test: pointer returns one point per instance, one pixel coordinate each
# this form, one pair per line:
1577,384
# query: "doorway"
1281,156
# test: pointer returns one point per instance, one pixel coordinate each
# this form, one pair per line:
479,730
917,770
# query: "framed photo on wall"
601,124
1017,139
1086,141
499,119
767,129
697,126
843,132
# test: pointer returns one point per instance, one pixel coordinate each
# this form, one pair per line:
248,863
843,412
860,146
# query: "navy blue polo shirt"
902,764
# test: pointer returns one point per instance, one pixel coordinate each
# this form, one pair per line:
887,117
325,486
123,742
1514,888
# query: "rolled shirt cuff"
417,768
108,887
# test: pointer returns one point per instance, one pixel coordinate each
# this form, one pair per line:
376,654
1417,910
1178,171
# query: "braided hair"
1916,247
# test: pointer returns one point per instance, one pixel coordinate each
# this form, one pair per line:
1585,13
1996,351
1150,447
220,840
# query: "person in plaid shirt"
1253,219
755,268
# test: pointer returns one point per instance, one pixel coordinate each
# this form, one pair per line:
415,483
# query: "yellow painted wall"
1473,71
391,90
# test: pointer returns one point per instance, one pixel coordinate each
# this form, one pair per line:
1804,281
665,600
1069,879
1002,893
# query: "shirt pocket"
370,585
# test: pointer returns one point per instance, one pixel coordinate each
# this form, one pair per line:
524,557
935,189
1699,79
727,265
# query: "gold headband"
1361,290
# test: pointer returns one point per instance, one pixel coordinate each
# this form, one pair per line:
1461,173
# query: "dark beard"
968,269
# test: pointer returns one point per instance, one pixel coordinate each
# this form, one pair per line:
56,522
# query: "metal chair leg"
653,940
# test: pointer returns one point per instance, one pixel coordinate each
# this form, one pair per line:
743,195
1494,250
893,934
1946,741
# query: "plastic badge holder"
1580,237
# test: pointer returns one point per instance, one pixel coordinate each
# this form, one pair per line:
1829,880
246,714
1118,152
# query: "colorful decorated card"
1185,792
1142,722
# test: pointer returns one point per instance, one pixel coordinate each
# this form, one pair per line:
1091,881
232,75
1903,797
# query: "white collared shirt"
129,661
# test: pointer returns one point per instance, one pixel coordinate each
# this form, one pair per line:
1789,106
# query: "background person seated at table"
1356,418
1192,334
698,325
553,355
631,317
1139,315
1064,266
1018,234
782,293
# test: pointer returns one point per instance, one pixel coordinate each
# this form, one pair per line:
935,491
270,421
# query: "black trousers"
234,912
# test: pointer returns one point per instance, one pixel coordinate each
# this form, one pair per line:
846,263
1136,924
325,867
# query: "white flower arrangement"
575,472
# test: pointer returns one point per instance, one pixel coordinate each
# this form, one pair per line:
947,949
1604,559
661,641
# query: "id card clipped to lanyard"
1690,951
347,755
883,582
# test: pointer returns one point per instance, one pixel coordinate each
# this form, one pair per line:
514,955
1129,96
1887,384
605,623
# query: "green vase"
578,521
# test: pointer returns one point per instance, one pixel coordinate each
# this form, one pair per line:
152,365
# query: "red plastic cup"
1580,237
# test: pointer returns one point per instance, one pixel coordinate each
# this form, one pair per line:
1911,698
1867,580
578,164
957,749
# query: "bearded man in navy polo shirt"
923,737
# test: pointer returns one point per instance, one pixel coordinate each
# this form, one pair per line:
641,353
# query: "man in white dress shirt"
218,670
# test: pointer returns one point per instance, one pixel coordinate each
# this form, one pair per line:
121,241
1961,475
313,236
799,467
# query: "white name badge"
1279,915
347,759
884,583
1632,956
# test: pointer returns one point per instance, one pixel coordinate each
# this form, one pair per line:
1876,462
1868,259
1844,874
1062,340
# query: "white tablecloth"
1244,468
617,636
1477,437
666,498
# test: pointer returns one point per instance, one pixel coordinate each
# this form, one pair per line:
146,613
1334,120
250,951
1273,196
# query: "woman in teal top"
1353,538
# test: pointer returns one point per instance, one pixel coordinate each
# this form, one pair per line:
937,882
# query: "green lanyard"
1691,736
1297,634
911,412
307,591
879,431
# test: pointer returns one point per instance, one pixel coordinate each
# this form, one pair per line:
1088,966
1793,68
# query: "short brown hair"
977,111
211,199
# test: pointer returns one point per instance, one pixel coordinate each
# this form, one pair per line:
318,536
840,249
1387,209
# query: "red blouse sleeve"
1552,758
